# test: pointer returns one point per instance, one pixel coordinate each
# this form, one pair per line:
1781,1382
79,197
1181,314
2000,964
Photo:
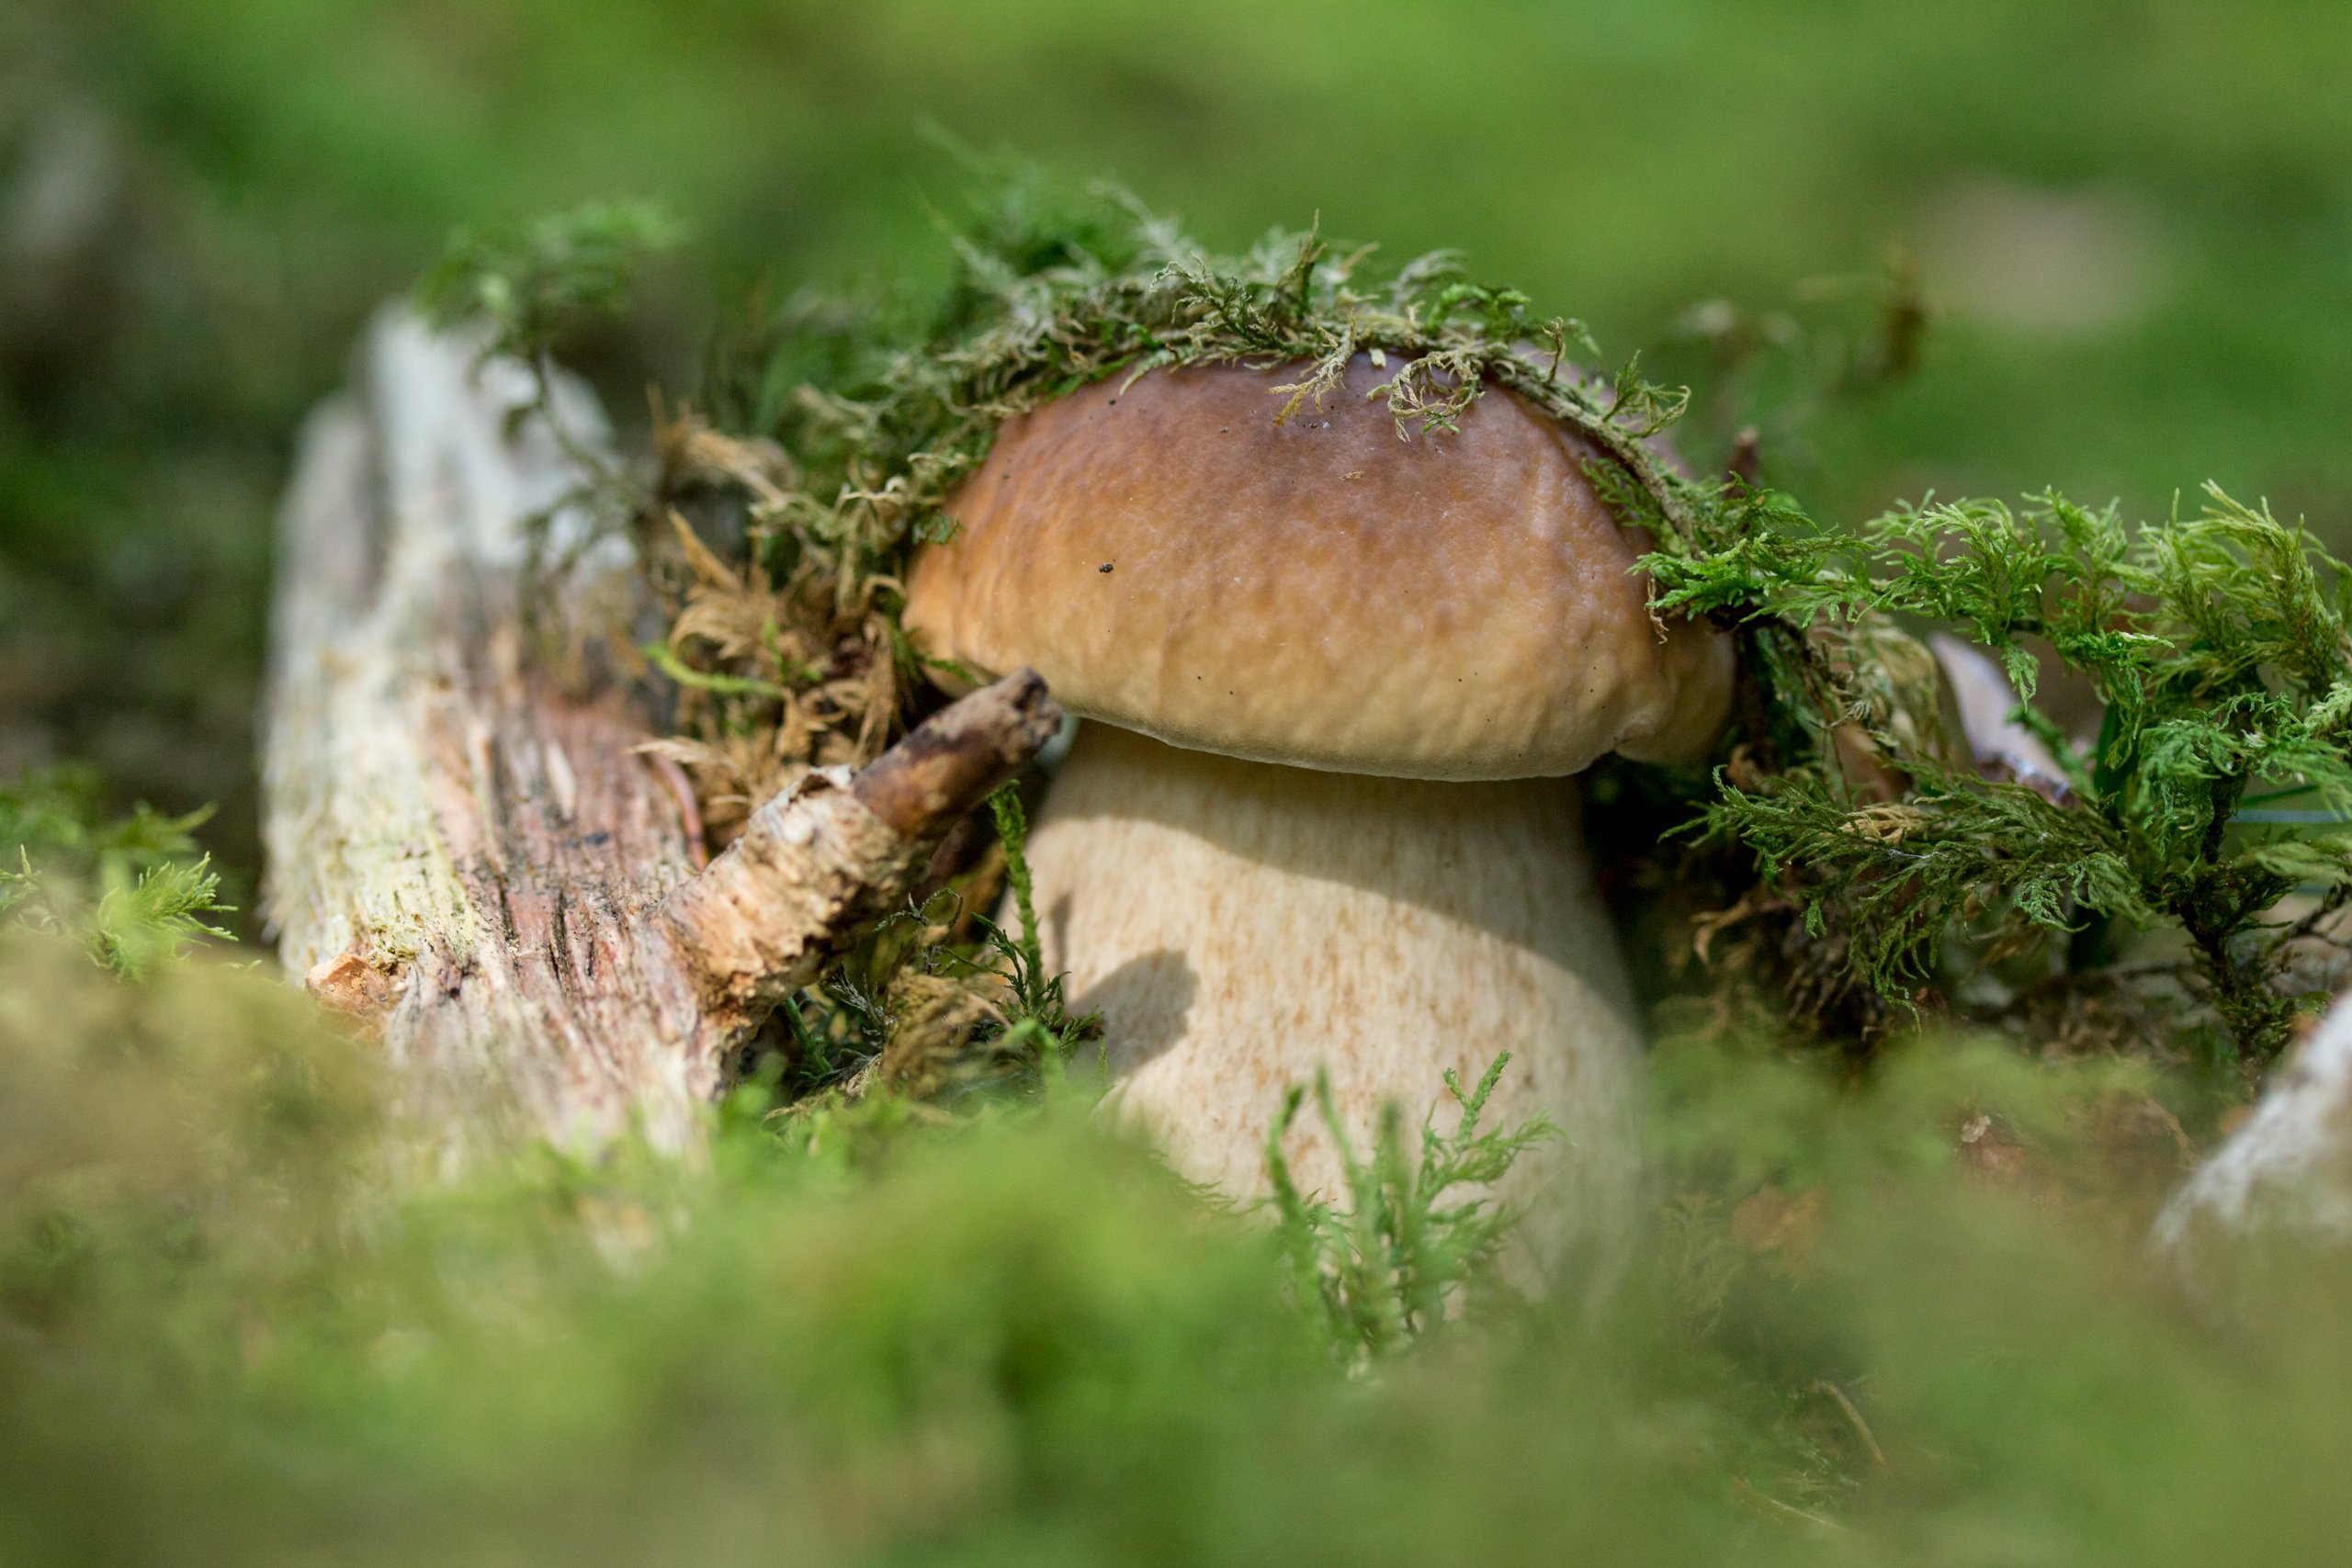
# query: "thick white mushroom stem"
1240,925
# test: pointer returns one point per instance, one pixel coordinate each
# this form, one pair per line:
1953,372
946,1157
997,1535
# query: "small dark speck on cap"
1104,567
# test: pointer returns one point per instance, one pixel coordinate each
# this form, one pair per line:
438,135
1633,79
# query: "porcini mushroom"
1340,677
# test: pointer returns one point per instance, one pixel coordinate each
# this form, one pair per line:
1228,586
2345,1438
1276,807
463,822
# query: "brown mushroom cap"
1318,592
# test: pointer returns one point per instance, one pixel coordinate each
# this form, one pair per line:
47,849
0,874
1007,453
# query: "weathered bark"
2288,1171
466,848
814,868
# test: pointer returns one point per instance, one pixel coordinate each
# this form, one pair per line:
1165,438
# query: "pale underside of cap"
1318,592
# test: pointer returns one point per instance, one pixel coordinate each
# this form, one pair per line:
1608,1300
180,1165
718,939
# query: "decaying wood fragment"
2286,1171
466,848
823,860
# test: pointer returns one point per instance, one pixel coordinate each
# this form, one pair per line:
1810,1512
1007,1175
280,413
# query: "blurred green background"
2137,218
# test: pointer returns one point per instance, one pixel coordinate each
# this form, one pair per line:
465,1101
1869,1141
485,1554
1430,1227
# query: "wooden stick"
812,868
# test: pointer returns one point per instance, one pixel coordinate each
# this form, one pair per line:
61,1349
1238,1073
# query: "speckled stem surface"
1239,924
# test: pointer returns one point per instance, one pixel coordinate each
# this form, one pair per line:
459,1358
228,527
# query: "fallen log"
466,848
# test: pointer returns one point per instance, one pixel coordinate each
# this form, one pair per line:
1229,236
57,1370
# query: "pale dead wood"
822,860
466,847
2288,1171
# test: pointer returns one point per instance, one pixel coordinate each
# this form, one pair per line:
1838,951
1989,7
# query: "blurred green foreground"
221,1342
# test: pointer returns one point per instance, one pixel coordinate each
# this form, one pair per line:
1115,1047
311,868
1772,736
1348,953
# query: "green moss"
132,890
529,285
224,1337
1410,1246
884,404
2216,787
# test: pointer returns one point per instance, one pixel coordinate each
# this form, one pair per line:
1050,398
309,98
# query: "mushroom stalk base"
1239,925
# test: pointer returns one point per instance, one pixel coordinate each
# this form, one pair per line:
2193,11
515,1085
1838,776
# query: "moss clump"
883,409
2217,788
132,890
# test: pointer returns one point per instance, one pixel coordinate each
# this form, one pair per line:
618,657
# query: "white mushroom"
1340,677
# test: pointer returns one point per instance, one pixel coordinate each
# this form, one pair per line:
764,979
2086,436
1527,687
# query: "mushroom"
1322,823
